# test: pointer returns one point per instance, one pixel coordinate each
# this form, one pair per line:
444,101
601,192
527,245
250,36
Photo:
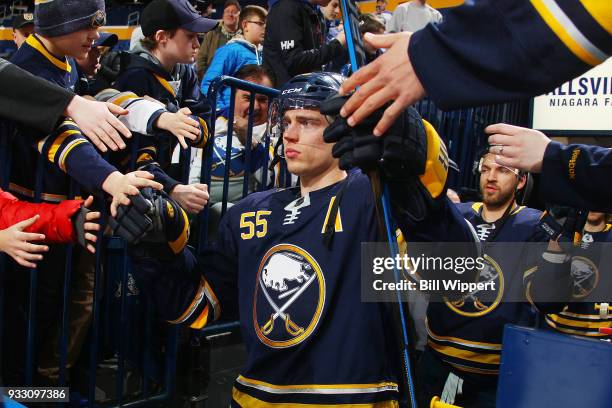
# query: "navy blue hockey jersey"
467,333
310,339
145,76
591,305
66,150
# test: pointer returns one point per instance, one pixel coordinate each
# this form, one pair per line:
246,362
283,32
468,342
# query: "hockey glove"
134,221
155,220
410,156
564,225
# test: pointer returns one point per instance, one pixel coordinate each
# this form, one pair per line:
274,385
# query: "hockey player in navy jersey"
287,261
461,360
588,266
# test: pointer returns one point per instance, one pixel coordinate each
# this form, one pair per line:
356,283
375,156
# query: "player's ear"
522,180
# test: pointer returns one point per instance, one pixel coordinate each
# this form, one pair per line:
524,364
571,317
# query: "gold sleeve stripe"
212,300
144,157
601,11
123,97
568,33
193,305
205,133
58,142
67,150
178,245
201,320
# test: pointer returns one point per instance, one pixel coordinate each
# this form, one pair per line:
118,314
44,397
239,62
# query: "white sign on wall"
582,105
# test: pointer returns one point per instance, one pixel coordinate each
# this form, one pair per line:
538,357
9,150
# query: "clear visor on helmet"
277,110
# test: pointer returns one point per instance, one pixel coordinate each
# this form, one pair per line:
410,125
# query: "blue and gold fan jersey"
144,75
310,339
65,151
468,333
590,307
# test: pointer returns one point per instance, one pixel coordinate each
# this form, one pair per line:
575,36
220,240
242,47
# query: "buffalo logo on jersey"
585,275
289,296
479,303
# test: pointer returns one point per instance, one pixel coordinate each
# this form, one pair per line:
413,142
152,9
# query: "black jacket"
295,40
30,100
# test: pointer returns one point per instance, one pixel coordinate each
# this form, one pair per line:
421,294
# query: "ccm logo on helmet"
286,91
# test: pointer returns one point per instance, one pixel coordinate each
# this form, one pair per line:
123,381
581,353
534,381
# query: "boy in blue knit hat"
65,29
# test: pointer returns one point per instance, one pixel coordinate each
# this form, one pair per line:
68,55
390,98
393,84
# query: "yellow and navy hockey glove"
410,156
155,220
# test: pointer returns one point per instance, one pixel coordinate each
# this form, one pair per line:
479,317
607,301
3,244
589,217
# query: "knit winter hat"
59,17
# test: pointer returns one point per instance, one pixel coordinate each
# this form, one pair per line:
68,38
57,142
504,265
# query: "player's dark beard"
500,200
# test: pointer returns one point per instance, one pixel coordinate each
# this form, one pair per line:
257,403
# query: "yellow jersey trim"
568,33
320,388
165,84
247,401
35,43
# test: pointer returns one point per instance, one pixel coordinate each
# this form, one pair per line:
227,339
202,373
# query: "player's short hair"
251,11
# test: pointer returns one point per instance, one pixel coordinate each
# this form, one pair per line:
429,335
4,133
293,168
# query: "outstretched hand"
120,186
98,122
389,77
18,244
180,124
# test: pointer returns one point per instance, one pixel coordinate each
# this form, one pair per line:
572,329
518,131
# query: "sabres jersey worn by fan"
310,339
65,151
141,120
590,307
238,163
144,75
468,333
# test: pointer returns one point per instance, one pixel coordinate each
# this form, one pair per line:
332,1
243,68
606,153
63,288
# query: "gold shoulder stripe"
33,42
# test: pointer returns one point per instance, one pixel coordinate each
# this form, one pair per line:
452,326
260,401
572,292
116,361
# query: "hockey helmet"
305,91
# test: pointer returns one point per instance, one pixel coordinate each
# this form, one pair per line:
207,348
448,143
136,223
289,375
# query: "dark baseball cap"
106,40
172,14
23,20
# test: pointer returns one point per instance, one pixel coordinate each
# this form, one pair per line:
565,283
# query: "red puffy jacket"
55,219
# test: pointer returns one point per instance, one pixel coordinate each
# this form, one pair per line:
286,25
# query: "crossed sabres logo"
290,288
478,303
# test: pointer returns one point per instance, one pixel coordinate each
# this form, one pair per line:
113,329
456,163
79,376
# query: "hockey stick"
357,60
